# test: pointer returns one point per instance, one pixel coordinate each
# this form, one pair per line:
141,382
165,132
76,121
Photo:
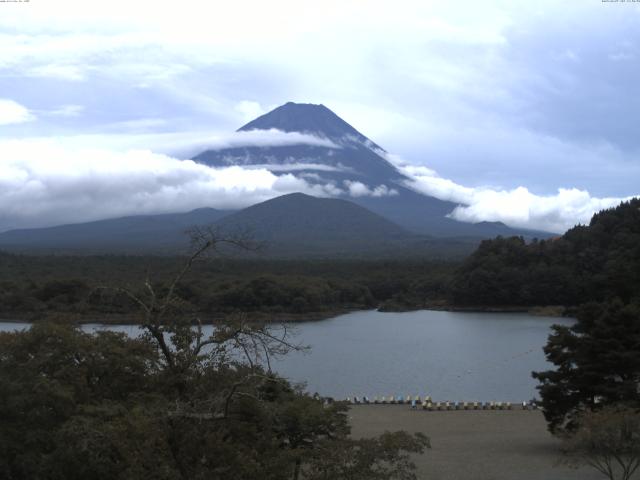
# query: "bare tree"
609,441
179,336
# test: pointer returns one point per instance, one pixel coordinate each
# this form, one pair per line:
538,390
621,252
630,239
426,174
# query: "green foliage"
597,363
51,374
103,406
172,404
296,294
588,263
596,270
35,287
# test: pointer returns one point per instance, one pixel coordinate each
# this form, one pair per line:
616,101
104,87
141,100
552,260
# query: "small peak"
296,196
296,104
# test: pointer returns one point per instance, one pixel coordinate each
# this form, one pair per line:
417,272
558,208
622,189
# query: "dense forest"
597,269
37,287
172,405
588,263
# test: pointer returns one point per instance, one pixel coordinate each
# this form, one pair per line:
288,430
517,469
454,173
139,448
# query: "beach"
475,444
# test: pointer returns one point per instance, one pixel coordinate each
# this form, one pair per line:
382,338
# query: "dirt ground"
475,444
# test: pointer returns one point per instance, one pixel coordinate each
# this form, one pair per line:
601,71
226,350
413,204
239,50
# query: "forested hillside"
34,287
588,263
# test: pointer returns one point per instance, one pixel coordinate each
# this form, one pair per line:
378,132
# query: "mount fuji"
354,168
365,208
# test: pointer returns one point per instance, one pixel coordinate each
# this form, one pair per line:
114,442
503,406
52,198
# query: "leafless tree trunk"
182,345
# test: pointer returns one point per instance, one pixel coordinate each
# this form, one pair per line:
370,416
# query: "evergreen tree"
597,363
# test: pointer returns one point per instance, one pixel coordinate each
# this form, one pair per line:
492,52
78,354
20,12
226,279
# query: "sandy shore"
475,445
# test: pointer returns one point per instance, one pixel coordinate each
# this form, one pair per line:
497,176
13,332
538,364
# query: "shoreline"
536,310
133,319
284,317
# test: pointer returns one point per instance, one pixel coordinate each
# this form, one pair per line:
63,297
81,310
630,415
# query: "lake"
456,356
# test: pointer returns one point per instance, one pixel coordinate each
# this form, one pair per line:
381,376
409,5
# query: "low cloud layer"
48,182
191,144
185,144
12,112
45,182
268,138
517,207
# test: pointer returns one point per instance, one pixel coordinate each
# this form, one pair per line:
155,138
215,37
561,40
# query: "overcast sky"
527,111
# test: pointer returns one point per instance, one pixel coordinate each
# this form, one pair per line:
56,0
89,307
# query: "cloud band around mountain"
516,207
46,182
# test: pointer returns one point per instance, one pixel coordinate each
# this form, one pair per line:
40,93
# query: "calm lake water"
448,355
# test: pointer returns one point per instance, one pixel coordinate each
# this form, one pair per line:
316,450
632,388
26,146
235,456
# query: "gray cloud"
491,95
578,80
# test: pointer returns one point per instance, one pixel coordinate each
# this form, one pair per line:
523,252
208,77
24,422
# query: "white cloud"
517,207
268,138
12,112
521,208
181,144
292,167
69,110
249,110
427,181
45,182
190,143
73,73
359,189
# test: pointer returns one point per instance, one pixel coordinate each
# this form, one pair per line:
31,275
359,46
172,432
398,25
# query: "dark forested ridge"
290,226
159,233
34,287
588,263
597,359
595,270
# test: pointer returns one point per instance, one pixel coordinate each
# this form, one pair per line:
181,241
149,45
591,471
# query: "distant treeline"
597,262
589,263
39,286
